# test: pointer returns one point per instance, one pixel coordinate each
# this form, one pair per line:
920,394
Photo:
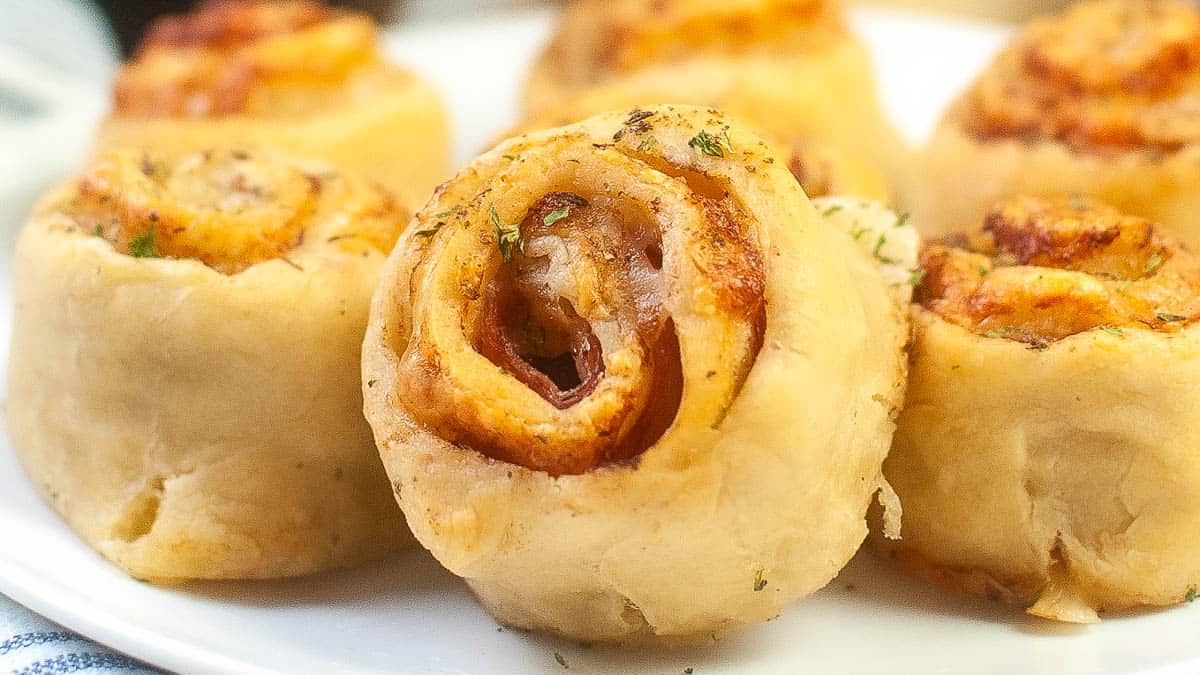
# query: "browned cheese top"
1041,270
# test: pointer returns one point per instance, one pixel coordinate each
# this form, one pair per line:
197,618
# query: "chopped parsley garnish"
561,661
1171,318
450,212
759,582
556,215
983,271
831,210
1191,594
859,232
1112,329
647,143
1153,263
903,219
1000,332
707,144
1124,286
144,245
98,232
508,237
916,276
879,247
509,157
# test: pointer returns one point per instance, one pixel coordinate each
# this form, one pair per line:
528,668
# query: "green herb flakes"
1153,263
707,144
556,215
508,237
144,245
879,244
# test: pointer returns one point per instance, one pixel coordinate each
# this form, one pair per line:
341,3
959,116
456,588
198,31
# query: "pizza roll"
589,366
1100,101
183,378
1046,454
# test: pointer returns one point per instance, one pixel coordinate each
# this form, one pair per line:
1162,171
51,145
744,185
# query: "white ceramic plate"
408,615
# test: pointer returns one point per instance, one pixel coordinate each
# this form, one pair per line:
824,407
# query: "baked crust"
183,380
291,75
1045,454
566,518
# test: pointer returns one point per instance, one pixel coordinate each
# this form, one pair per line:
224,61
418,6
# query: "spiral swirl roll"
1100,100
293,75
589,365
1046,453
790,68
183,378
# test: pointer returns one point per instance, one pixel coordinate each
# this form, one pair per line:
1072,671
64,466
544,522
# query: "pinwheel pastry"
590,365
1102,100
183,382
1047,451
293,75
791,68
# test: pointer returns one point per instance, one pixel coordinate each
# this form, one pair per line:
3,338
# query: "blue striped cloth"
31,645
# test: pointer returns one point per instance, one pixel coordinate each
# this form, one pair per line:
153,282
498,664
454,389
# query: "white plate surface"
408,615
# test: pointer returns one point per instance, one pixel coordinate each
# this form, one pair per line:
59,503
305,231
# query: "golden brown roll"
1046,454
294,75
1100,100
183,378
790,68
586,369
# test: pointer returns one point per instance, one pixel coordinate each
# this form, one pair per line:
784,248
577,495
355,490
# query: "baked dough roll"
183,379
293,75
1047,451
791,68
1100,101
585,369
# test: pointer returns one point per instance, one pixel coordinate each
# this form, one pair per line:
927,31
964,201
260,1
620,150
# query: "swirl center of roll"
224,209
1044,269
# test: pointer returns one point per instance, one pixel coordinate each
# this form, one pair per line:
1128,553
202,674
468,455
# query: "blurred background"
129,18
57,59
